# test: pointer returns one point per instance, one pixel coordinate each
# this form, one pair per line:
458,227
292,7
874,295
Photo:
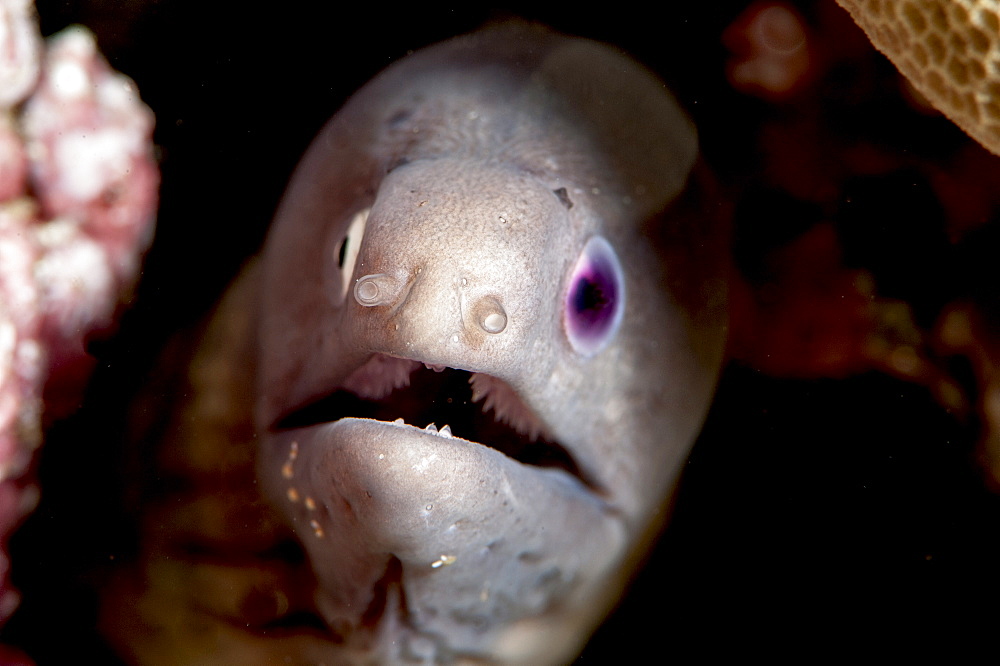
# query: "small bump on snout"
372,290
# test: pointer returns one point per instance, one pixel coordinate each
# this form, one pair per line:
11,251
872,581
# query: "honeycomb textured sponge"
950,52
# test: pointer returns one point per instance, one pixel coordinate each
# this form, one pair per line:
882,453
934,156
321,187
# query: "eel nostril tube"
491,316
372,290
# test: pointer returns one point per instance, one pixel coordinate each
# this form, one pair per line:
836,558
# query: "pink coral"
20,46
88,135
78,193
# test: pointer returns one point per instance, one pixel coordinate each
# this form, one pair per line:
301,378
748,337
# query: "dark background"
842,514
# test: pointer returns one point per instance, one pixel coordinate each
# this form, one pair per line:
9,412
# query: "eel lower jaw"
414,535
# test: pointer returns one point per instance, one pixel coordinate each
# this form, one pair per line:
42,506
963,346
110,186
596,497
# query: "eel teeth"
445,431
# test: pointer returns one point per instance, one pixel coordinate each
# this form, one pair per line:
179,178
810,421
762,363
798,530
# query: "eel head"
473,411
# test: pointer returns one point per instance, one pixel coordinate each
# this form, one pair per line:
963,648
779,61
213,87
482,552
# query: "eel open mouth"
451,402
453,526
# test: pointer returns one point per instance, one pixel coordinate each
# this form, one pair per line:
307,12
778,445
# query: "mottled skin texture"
440,548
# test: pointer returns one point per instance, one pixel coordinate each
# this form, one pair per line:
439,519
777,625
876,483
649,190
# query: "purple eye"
595,300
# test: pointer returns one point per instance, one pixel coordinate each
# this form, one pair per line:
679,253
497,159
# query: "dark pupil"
589,296
342,254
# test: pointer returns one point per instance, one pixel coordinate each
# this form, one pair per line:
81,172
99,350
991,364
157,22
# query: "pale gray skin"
459,151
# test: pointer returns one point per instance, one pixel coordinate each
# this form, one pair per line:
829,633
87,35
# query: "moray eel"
490,329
